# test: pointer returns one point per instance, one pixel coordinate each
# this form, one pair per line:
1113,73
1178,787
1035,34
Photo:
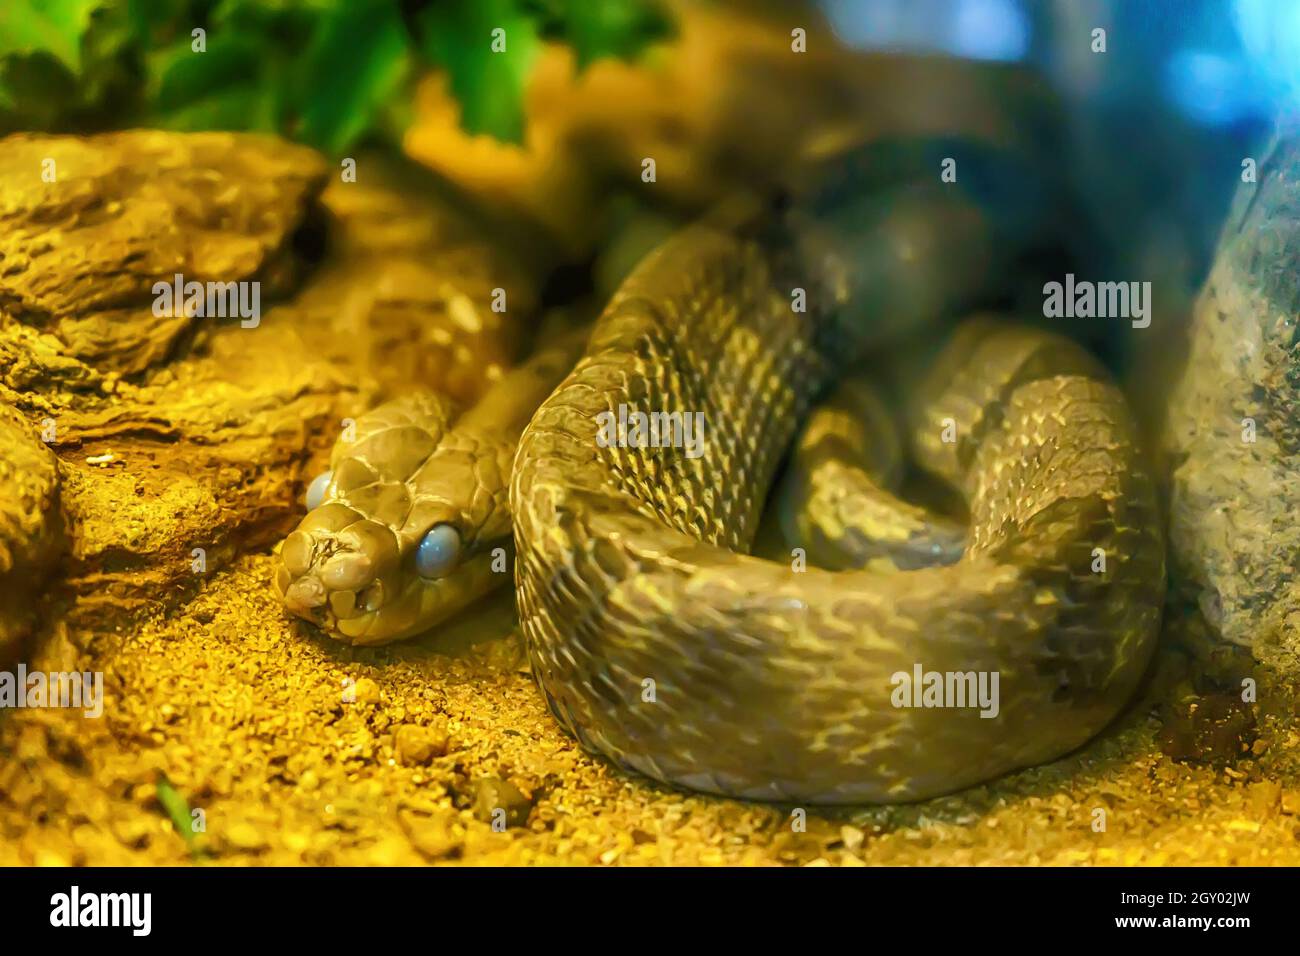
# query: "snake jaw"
350,577
410,605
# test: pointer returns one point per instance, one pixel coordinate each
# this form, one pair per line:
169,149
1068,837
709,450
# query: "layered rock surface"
1233,428
152,448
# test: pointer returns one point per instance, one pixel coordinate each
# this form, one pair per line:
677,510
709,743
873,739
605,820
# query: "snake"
659,640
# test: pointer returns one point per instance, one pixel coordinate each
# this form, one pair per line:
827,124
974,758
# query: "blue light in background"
1218,86
1217,62
1270,34
971,29
1212,88
990,30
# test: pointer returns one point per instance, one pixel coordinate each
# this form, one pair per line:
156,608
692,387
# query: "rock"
492,794
126,210
416,281
134,832
434,837
31,528
1233,427
46,857
1214,729
366,692
417,745
852,837
1265,798
244,837
178,443
159,465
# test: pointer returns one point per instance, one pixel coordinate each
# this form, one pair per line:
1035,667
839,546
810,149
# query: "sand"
281,746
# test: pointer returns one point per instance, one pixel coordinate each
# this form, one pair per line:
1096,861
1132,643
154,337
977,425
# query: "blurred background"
1150,124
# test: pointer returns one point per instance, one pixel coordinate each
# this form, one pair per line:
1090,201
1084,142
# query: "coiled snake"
657,639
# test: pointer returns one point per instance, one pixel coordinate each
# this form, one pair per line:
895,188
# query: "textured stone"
418,745
31,527
81,253
177,444
1234,535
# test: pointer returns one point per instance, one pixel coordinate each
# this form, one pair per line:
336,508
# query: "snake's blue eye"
437,551
316,490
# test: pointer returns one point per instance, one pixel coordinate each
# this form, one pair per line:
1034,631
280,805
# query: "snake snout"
297,552
332,569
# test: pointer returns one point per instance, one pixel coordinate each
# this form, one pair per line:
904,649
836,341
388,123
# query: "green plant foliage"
597,29
488,82
50,26
356,62
328,72
178,811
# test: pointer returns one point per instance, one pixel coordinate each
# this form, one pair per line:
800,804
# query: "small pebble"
852,837
244,836
492,794
1265,797
417,745
433,838
367,691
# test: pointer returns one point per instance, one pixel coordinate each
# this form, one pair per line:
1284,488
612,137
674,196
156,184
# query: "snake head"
410,525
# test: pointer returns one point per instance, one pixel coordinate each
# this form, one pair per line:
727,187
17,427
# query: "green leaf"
220,88
285,26
41,89
326,71
611,28
45,26
358,58
182,76
249,106
177,810
150,22
109,56
459,36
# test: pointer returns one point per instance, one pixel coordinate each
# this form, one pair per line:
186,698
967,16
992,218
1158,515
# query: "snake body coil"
660,643
774,683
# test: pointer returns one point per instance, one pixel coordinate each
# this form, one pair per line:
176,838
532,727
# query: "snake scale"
655,636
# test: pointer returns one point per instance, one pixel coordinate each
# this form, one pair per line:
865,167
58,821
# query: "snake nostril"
296,553
304,594
349,571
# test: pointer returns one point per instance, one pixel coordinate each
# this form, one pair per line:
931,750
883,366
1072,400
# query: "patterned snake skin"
657,639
